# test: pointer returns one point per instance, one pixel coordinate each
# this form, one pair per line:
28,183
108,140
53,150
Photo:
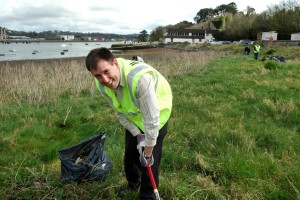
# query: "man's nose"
104,79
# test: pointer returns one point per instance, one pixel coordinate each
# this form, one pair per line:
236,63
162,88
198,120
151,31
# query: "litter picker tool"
153,182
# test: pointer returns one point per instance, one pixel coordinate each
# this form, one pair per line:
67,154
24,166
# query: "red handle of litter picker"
153,182
151,177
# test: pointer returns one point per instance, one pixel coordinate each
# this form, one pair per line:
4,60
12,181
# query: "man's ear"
115,62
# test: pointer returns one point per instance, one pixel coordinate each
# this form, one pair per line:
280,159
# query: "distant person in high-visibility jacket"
142,100
256,50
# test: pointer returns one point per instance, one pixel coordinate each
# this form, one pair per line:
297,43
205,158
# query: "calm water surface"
48,50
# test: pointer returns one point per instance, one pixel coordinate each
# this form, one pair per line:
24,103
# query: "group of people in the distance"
256,50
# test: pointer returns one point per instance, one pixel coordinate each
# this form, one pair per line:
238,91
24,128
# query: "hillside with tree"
284,18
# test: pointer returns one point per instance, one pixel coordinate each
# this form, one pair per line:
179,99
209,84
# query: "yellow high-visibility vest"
256,48
129,106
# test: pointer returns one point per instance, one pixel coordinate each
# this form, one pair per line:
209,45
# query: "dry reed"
47,80
33,81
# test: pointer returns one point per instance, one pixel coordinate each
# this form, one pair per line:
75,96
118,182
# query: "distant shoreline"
81,58
49,41
135,47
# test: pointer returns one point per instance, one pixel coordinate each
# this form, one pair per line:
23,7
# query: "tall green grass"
234,132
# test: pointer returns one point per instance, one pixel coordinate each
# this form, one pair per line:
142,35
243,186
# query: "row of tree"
283,18
54,35
207,13
232,24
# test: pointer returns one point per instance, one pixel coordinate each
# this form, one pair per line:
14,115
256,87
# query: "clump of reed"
47,80
43,80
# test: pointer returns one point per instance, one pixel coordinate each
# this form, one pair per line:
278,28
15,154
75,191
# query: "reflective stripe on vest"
256,48
130,81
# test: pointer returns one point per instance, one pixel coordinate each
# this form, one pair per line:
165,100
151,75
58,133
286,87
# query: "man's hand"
148,150
140,143
145,161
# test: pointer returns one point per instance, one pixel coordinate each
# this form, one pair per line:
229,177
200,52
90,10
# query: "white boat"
12,50
35,52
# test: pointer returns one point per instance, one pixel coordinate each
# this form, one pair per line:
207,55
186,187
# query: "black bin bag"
85,161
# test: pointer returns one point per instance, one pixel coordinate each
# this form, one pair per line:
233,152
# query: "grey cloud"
103,8
31,12
55,17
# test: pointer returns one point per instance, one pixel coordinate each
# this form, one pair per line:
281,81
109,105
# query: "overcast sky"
109,16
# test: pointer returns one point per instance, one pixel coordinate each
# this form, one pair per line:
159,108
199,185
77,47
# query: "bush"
272,65
270,52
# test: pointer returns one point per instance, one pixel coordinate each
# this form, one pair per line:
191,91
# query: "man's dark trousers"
135,173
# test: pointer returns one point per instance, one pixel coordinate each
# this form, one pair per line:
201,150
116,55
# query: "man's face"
107,74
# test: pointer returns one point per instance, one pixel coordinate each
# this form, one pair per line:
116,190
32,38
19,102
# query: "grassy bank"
234,131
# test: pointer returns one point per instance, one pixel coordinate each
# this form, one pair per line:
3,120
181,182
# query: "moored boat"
36,51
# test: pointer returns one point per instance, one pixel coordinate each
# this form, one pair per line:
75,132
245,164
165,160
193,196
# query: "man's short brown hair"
98,54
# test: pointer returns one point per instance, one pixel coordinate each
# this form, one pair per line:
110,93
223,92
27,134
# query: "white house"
295,36
267,36
192,36
66,37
